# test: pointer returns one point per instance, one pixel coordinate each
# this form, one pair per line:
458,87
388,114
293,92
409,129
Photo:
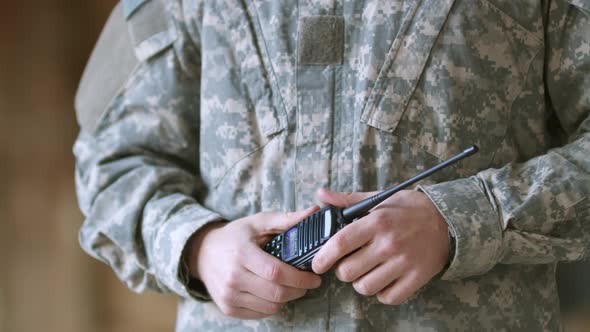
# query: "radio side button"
305,231
327,224
314,233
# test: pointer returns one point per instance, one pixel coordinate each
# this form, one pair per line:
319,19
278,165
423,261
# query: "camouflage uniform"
210,110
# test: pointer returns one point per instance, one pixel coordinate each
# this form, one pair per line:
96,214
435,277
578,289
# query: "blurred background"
46,282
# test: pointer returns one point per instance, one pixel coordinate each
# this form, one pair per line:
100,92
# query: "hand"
243,280
394,250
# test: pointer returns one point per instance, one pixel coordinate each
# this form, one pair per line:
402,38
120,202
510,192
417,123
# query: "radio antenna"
361,208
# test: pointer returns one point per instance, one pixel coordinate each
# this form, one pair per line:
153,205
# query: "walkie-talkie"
298,245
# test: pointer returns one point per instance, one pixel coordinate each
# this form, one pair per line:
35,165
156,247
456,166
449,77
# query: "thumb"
277,222
341,199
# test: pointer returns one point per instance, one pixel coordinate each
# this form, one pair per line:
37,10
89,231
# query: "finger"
379,278
341,199
271,269
251,302
341,244
262,288
398,292
242,313
358,264
277,222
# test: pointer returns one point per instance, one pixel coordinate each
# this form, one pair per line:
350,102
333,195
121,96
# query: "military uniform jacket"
198,111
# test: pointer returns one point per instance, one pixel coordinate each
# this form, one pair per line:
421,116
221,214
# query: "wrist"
194,247
443,231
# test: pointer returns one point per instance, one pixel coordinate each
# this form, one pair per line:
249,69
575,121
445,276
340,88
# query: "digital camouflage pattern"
219,121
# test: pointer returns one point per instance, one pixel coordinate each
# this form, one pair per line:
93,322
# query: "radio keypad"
274,247
310,233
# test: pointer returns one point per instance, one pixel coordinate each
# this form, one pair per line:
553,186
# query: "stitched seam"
378,87
119,92
497,244
406,101
264,54
166,38
245,157
408,97
510,109
295,116
506,15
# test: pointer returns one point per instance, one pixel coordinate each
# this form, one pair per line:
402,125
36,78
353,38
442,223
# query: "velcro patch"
321,40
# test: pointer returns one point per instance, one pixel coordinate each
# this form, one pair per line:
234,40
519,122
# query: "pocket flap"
404,64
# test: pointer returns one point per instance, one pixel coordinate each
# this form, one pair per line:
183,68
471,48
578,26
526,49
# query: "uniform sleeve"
137,173
538,211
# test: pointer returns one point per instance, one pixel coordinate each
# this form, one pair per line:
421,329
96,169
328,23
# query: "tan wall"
46,282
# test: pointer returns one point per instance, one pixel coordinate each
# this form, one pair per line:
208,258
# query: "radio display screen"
290,245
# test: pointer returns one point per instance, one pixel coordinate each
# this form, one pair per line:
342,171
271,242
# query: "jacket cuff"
170,244
473,221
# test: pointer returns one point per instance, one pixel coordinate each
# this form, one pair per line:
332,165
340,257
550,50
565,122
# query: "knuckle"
349,198
384,250
382,224
272,272
233,279
405,261
301,282
340,241
391,246
231,283
227,296
228,311
278,294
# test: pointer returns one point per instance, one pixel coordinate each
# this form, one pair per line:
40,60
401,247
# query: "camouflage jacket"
195,111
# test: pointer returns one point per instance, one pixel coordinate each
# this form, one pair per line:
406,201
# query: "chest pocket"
451,77
241,108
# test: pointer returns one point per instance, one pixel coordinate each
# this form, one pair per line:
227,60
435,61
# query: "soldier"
204,121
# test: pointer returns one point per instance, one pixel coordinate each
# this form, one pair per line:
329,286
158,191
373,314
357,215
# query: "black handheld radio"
298,245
